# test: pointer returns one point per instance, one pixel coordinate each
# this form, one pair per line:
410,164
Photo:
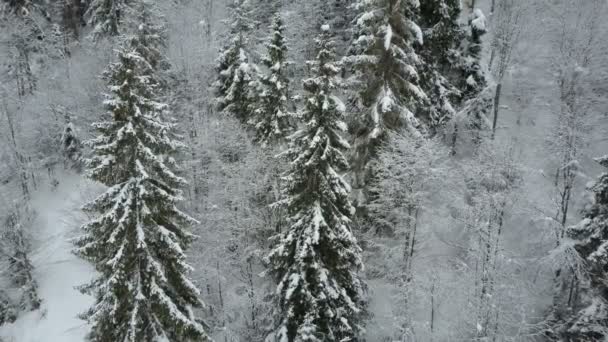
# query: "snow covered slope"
57,270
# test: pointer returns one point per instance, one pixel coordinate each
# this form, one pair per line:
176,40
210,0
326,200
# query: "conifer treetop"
150,35
271,117
233,66
105,16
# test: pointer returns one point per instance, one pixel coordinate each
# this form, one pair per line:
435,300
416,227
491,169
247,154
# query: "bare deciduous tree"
507,26
578,50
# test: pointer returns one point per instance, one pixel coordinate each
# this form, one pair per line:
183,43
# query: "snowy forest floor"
57,270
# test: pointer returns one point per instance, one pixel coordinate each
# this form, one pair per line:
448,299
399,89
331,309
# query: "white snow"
479,21
471,81
417,32
57,270
388,37
365,17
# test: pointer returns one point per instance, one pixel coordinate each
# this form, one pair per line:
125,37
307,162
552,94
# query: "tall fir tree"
71,147
475,76
443,36
589,318
443,33
71,18
453,76
105,16
477,92
235,73
317,259
150,36
138,238
271,120
386,70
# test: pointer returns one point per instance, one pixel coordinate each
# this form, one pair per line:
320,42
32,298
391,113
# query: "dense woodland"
303,170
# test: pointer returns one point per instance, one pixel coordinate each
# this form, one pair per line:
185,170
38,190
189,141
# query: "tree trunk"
432,325
454,139
496,107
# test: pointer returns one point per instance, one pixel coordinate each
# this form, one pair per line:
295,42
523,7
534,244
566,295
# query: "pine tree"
386,67
475,79
234,70
473,119
138,239
16,244
271,119
150,37
71,18
71,147
470,78
441,96
443,35
105,16
590,320
317,258
264,10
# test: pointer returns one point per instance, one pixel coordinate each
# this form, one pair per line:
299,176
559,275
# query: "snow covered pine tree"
386,70
475,76
440,74
234,69
105,16
71,148
477,92
590,321
316,260
137,242
150,37
271,120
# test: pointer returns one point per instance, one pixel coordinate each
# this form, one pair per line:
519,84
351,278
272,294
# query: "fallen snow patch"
57,270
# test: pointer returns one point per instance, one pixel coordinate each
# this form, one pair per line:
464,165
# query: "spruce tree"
138,238
476,92
316,260
15,243
271,119
443,36
475,78
150,36
443,33
442,96
71,147
105,16
234,69
454,78
590,319
71,18
386,68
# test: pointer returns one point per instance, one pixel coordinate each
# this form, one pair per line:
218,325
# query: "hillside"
372,185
